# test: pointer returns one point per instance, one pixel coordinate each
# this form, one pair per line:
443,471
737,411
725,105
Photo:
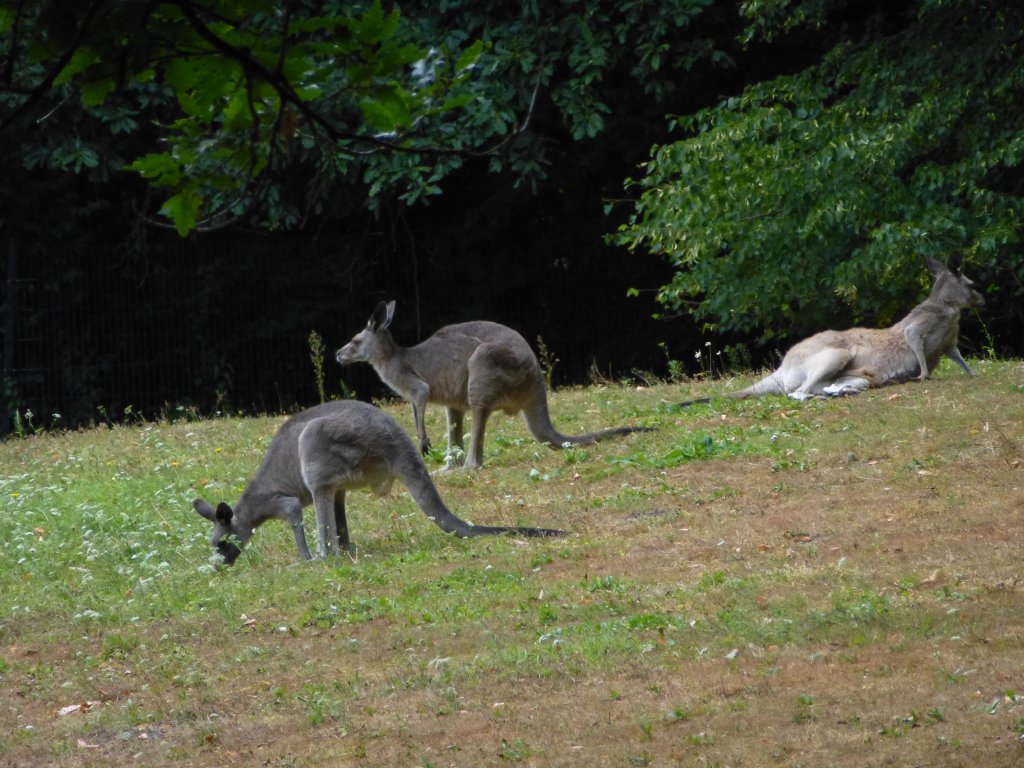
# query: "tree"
273,113
813,198
230,90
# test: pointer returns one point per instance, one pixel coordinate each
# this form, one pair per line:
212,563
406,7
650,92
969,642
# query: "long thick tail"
698,401
769,385
414,475
517,530
538,421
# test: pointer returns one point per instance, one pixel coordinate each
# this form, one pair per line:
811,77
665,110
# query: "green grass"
841,574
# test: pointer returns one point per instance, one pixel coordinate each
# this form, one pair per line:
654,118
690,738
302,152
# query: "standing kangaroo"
478,366
316,456
847,362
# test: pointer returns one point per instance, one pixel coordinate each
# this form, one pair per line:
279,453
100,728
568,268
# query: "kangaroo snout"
345,355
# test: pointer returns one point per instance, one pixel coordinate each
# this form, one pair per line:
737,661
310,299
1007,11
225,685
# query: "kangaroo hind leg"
324,500
820,370
499,375
456,432
341,521
846,385
475,455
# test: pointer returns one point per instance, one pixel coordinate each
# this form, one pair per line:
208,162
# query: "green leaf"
182,209
457,102
309,92
375,27
7,17
237,114
386,110
159,168
80,60
377,115
469,57
94,94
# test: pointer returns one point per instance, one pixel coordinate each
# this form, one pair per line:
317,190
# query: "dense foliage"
232,90
271,113
826,188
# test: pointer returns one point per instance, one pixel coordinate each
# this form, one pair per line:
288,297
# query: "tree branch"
287,94
279,83
36,93
15,31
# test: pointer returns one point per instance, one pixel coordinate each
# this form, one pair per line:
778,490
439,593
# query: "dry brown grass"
840,590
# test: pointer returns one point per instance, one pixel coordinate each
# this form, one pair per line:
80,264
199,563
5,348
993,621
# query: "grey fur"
315,457
481,367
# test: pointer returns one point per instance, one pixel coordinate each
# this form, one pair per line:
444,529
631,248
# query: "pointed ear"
956,264
935,267
382,316
224,514
205,510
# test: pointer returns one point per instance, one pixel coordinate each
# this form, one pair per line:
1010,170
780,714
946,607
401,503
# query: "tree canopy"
261,111
231,90
826,188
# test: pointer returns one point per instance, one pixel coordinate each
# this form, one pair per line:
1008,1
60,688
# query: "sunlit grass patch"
835,573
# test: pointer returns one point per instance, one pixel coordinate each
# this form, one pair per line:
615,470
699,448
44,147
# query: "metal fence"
224,324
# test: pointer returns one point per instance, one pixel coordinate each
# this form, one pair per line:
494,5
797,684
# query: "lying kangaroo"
847,362
478,366
316,456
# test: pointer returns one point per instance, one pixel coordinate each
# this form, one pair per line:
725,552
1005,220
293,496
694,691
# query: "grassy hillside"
756,583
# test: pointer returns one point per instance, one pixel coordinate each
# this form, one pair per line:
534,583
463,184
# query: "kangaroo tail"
538,421
604,434
770,385
698,401
495,530
414,475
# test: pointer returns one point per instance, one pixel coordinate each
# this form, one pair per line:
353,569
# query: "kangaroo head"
371,342
228,537
953,287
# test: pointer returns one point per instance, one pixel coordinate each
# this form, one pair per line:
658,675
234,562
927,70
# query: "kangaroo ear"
382,316
956,265
224,514
935,267
205,510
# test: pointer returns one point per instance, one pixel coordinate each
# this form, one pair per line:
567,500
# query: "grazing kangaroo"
847,362
316,456
478,366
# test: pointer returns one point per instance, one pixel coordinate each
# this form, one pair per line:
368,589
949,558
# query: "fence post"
7,378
